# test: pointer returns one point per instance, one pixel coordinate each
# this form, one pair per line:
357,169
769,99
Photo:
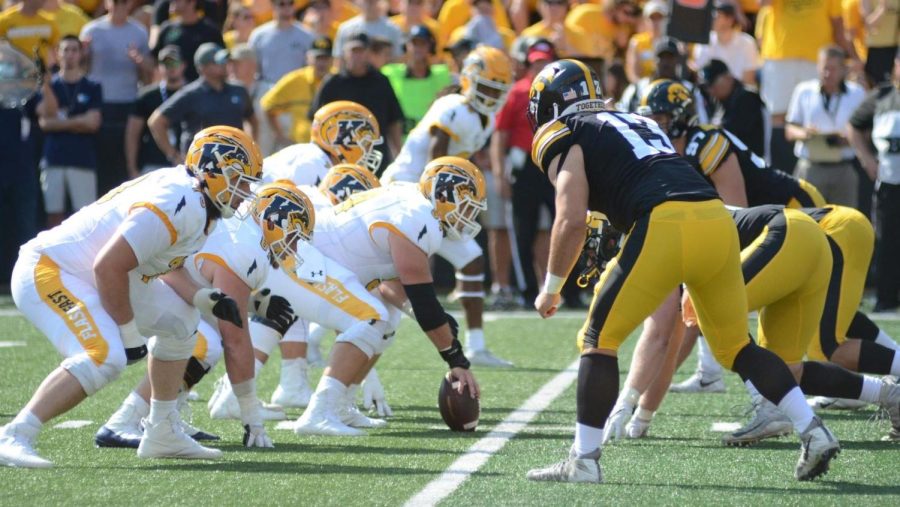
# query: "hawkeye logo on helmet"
217,156
346,132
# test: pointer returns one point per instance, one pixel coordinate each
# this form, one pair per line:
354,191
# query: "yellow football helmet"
348,132
227,162
456,189
286,215
344,180
485,79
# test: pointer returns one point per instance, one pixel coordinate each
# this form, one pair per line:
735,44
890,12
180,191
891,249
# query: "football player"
112,274
624,166
461,124
741,177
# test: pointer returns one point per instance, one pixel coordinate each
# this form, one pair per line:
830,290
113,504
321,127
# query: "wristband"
553,284
454,356
131,336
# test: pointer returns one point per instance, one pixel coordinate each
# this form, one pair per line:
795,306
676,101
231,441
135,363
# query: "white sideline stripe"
725,427
482,450
10,312
73,424
11,344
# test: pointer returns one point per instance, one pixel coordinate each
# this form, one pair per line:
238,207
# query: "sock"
124,414
587,439
644,414
871,389
331,384
793,404
250,405
25,424
352,389
862,327
475,339
768,373
829,379
598,385
706,362
885,340
160,410
292,370
875,358
755,396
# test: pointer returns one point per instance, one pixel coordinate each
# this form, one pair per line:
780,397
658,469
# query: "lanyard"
826,102
162,91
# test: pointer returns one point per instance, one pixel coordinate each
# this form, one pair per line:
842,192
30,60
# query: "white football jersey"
235,245
451,114
319,200
355,232
303,164
162,215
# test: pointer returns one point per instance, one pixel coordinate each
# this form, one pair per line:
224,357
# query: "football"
459,411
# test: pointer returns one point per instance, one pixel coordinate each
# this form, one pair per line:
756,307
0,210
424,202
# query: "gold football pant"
786,270
852,240
677,242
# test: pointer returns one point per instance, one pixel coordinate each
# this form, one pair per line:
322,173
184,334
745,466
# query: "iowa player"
623,165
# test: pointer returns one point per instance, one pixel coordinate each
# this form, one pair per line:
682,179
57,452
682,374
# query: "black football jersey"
707,147
629,162
751,222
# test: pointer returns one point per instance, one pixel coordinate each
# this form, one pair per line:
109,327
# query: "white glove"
255,436
373,395
615,425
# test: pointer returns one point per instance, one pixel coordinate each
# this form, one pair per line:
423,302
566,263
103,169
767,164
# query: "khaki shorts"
80,183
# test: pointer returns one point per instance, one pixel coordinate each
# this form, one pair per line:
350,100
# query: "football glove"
600,247
273,307
135,344
615,425
215,303
255,436
373,395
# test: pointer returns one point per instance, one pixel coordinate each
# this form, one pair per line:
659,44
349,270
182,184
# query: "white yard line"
5,344
482,450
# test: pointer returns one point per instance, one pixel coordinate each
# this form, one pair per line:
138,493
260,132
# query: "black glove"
135,354
226,309
274,308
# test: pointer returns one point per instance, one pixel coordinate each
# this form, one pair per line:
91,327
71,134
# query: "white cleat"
696,383
818,447
889,401
485,358
637,428
827,403
16,451
767,422
351,416
293,397
322,417
572,469
225,405
193,396
167,439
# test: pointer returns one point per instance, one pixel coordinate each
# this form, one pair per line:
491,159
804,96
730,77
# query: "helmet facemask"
237,190
486,96
457,206
283,222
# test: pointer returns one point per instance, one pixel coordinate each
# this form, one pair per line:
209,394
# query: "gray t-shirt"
197,106
381,27
280,51
110,64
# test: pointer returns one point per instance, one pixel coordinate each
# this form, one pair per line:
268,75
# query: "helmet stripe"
592,93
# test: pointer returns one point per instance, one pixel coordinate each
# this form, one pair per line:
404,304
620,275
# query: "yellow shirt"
599,32
886,31
797,29
348,10
87,5
574,38
749,6
431,23
294,93
456,13
26,33
853,20
69,19
643,43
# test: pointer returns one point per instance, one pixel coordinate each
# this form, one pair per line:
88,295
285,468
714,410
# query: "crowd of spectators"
806,85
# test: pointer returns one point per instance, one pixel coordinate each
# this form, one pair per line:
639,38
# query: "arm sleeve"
864,116
148,231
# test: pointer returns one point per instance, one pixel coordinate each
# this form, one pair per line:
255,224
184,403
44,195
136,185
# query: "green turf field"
682,462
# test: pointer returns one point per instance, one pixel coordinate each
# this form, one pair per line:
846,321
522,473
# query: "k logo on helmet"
348,132
218,156
346,186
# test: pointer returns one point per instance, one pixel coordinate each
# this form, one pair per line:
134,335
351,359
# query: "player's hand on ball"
373,395
546,304
466,378
255,436
215,303
273,307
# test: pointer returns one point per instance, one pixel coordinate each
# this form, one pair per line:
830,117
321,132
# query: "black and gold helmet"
668,97
562,88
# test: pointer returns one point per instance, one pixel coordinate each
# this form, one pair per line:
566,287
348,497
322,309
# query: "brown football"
459,411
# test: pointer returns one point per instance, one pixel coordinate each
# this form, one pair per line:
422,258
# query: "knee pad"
91,376
168,348
299,332
264,335
175,324
388,334
315,333
367,336
194,372
462,277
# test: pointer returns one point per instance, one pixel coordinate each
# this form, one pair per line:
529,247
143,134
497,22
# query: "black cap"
667,45
713,70
321,47
420,32
726,8
171,53
358,39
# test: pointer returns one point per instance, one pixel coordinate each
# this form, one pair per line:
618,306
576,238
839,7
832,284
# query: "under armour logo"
182,203
319,273
422,232
252,267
